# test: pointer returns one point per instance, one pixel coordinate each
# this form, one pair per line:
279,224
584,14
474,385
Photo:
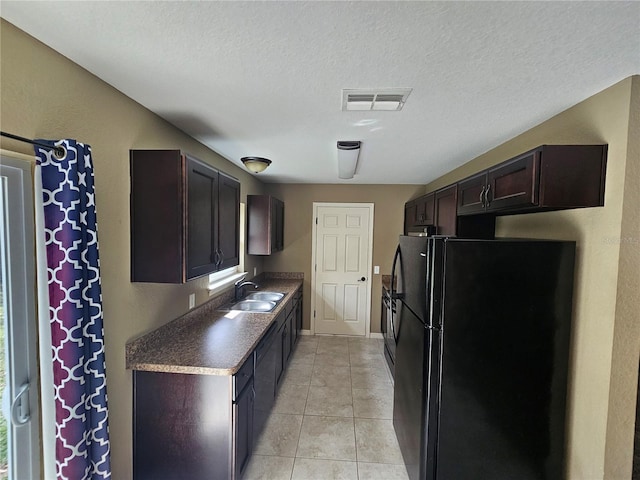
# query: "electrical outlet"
376,270
192,301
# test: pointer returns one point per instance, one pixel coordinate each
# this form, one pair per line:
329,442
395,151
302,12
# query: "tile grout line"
295,455
355,438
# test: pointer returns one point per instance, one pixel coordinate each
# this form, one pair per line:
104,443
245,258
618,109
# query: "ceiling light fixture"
255,164
347,158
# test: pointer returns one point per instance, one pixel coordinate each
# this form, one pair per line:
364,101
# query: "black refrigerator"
481,362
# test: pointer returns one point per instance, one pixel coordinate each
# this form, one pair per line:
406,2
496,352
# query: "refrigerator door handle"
395,295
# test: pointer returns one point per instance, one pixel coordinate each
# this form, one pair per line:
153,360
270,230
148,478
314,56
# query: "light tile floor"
333,416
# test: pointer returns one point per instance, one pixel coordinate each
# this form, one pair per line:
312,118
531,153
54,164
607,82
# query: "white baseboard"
371,335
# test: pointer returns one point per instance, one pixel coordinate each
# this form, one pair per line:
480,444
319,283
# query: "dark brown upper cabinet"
265,225
419,212
445,201
550,177
185,217
229,221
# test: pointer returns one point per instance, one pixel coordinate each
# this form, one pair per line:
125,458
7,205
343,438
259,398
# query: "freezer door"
506,318
412,273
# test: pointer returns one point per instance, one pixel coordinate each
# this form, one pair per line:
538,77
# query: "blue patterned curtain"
75,312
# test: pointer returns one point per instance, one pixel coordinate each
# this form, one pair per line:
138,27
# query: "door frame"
317,205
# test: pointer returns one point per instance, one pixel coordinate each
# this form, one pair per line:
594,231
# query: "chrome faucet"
239,288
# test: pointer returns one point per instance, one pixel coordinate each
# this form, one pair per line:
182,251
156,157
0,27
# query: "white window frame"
21,399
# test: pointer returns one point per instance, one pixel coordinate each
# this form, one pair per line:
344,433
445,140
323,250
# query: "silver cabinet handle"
20,413
482,195
486,196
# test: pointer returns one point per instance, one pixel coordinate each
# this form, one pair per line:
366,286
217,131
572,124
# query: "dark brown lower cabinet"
291,333
182,426
243,414
281,359
194,427
298,315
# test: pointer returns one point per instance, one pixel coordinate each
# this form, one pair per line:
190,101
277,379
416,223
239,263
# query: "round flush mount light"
255,164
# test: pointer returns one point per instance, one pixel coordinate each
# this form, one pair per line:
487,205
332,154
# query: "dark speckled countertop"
206,340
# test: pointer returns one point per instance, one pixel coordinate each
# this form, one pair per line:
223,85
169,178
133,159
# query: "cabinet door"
446,202
299,315
277,225
243,429
280,358
515,183
471,194
297,318
265,224
286,342
202,201
425,210
228,221
291,333
410,213
264,381
157,216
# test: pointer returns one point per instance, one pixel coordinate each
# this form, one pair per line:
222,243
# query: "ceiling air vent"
389,99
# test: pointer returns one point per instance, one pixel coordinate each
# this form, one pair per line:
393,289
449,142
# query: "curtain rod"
59,151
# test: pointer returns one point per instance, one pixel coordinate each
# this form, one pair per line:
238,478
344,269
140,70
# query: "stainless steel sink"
266,296
253,306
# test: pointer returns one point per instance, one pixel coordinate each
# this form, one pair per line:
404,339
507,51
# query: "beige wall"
388,223
626,336
606,331
44,95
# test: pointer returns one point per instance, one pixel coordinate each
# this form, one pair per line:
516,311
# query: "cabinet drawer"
288,308
243,376
266,342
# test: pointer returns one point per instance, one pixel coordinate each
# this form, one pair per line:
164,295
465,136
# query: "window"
19,422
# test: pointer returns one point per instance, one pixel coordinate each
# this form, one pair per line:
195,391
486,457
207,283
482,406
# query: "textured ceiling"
265,78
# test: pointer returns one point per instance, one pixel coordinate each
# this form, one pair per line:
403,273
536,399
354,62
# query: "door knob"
362,279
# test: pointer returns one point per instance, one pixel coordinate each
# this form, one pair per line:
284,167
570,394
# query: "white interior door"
342,262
